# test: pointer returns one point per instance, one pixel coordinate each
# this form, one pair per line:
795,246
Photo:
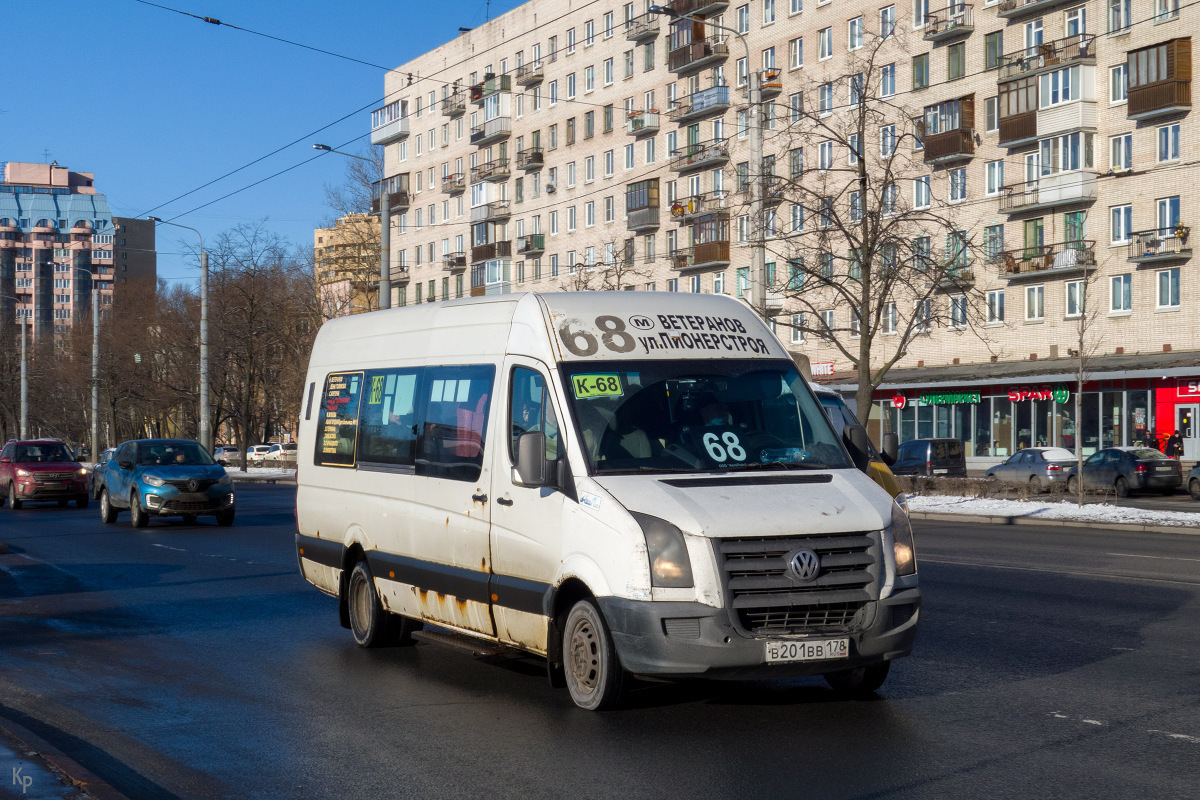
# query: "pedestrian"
1174,446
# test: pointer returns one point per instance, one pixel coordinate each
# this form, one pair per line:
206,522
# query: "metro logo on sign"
899,401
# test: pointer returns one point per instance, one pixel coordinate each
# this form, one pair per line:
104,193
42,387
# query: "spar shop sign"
1059,393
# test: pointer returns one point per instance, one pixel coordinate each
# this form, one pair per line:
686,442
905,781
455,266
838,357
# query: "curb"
79,775
1131,527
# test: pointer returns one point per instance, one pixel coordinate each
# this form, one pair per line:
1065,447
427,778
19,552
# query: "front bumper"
704,642
170,503
32,490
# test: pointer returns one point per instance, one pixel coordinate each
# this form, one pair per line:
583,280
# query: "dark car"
105,455
1127,470
165,478
1039,467
1193,482
41,470
931,457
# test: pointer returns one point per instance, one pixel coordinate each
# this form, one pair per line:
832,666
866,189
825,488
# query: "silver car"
1039,467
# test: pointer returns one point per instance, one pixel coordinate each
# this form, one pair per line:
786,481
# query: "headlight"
225,480
902,542
153,480
82,471
670,567
22,473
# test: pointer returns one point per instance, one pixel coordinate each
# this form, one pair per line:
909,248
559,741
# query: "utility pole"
24,379
758,238
96,372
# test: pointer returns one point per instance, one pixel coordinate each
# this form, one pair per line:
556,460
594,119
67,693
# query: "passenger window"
337,423
531,410
388,422
308,407
454,421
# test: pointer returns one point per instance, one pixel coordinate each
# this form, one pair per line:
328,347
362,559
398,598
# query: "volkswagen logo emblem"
193,485
805,565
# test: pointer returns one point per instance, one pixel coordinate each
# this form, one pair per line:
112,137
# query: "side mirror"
531,460
126,465
891,448
855,438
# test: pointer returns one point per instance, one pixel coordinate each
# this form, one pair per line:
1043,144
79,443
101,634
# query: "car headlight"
903,547
153,480
22,473
670,566
225,480
83,471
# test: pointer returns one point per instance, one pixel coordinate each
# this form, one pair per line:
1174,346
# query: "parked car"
256,454
281,452
931,457
41,470
1127,470
105,455
225,454
165,478
1193,482
1039,467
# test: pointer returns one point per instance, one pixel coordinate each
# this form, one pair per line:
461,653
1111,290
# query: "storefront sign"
822,368
1187,388
1059,393
899,401
948,398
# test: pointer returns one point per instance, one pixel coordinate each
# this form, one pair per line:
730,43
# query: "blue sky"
157,104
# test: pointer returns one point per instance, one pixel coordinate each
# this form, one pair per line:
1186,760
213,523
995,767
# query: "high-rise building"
608,147
346,259
58,244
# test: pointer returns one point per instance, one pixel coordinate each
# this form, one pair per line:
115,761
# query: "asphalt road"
193,661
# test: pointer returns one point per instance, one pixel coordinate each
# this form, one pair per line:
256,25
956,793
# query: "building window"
825,155
921,196
922,316
743,19
887,80
854,35
958,185
1168,142
920,71
995,177
768,9
889,319
1168,288
1120,149
958,311
887,141
1035,303
995,306
993,49
797,328
991,113
1118,84
824,44
796,53
825,99
887,21
1076,299
1121,294
956,61
1122,224
1119,15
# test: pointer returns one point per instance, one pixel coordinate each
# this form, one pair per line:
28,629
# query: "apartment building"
346,260
59,243
597,145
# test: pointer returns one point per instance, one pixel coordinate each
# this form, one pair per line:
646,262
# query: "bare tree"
617,270
1087,344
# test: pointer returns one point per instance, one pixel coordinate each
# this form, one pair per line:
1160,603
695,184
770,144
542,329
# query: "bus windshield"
698,416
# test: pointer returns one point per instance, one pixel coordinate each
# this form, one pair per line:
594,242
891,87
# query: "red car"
41,470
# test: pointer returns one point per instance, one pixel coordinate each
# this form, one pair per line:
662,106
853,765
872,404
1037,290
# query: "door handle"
479,498
504,501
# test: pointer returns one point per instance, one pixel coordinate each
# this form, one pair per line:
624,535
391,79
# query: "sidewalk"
30,769
1046,512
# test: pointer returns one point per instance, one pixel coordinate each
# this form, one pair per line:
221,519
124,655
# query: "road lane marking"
1060,572
1181,736
1160,558
168,547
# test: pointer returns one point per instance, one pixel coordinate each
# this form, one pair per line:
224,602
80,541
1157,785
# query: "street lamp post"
205,425
758,245
385,241
95,361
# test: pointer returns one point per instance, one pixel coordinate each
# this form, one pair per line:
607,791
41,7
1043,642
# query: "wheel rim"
360,605
135,508
104,504
585,656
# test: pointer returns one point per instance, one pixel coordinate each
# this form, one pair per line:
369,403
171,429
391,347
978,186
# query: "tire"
594,674
1194,488
189,519
224,518
1122,487
1035,484
1168,491
108,514
63,503
1073,485
370,624
138,518
13,503
859,681
82,501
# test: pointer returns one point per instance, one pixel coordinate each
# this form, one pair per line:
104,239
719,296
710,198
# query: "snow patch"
1093,512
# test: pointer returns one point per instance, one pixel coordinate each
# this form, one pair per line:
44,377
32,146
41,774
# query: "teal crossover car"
164,478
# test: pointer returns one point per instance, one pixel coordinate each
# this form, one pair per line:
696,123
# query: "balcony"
495,211
698,8
486,252
1159,99
530,74
1154,247
398,275
770,83
396,190
685,209
531,158
1019,129
642,123
1079,115
1049,55
706,103
699,156
949,22
1077,187
642,219
387,125
454,184
454,105
533,244
492,131
494,171
695,56
956,278
708,255
1048,261
1015,9
454,262
642,29
489,87
948,146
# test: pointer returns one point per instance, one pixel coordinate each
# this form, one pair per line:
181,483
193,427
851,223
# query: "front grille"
184,506
768,599
201,485
53,476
